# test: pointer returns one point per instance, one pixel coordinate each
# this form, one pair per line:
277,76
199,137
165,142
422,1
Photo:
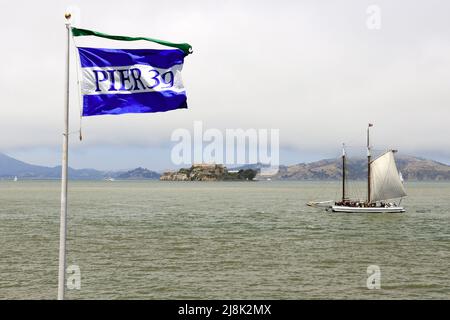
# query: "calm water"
160,240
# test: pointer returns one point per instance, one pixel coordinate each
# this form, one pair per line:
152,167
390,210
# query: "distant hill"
412,168
138,174
10,167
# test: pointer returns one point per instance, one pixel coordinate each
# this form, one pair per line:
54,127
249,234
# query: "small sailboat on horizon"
384,183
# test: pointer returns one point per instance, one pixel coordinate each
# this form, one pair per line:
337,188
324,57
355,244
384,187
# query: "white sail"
385,182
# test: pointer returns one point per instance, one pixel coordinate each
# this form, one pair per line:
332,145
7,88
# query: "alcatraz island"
209,172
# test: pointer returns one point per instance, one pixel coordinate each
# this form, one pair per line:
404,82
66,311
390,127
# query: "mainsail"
385,182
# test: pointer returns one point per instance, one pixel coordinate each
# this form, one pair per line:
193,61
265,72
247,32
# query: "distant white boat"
15,179
323,204
384,183
110,179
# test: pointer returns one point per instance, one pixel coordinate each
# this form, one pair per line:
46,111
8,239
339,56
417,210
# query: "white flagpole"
65,158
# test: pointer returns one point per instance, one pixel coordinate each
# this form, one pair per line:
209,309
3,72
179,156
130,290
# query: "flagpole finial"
67,15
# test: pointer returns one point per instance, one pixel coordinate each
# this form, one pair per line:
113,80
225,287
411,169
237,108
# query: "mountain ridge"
11,167
412,168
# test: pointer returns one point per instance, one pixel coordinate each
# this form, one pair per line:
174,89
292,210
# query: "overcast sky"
313,70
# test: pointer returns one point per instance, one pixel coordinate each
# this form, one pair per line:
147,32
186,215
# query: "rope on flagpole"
79,88
81,136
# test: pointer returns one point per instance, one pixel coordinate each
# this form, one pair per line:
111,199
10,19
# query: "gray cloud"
312,70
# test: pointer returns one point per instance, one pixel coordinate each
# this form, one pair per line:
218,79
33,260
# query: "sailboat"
384,183
15,179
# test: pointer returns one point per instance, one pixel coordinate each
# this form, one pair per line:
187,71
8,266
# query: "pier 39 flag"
117,81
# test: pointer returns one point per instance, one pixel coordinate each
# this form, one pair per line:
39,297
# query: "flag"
370,124
117,81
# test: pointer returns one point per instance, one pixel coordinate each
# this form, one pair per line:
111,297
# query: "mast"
368,163
343,172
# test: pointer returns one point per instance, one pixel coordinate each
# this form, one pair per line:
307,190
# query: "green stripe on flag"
185,47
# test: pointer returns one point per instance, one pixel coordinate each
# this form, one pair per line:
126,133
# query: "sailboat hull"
367,209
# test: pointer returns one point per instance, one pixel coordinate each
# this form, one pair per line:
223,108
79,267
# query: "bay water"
221,240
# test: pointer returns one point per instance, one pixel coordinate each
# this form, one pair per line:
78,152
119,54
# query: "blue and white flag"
117,81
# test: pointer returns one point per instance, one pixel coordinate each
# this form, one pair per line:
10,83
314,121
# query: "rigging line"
357,146
350,146
359,191
335,194
354,189
355,151
351,189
